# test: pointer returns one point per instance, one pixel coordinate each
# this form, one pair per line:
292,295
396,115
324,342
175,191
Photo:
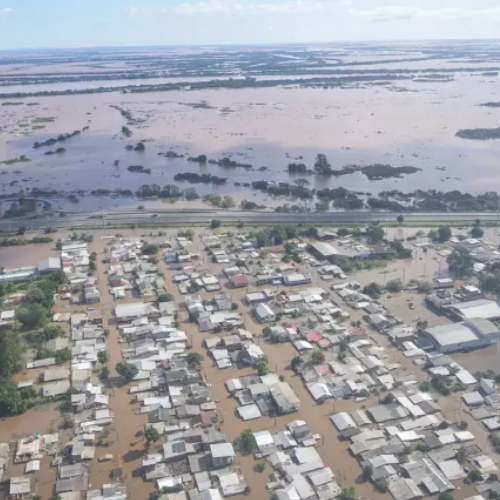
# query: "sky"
97,23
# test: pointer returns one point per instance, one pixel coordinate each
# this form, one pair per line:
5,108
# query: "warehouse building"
323,251
465,336
482,308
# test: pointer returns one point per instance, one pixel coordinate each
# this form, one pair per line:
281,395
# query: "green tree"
389,398
445,496
317,357
375,233
127,370
394,286
475,476
63,355
102,357
259,467
150,249
11,401
296,362
104,373
246,443
374,290
11,353
194,359
165,297
215,223
151,435
367,472
267,331
460,262
31,315
425,287
424,386
348,494
444,234
262,367
51,332
477,232
227,202
401,219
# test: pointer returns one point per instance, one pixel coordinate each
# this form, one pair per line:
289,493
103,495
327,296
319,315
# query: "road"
205,216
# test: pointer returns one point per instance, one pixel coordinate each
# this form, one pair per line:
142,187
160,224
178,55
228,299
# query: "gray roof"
52,263
78,483
454,333
222,450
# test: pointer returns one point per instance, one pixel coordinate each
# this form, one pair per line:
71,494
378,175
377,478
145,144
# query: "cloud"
392,13
6,12
230,6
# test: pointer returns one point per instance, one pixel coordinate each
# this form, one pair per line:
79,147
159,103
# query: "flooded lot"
268,128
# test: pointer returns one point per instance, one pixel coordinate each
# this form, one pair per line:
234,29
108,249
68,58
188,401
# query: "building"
238,281
482,308
296,279
264,313
222,454
285,399
464,336
323,251
128,312
50,265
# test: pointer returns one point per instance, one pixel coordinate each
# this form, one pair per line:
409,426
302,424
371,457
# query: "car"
90,308
154,215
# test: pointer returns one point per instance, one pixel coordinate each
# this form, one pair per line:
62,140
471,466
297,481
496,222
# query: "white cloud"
391,13
6,12
230,6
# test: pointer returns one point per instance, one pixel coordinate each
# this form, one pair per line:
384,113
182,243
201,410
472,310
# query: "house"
19,487
239,281
285,399
264,313
222,454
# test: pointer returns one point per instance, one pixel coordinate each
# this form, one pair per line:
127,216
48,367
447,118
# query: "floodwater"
267,128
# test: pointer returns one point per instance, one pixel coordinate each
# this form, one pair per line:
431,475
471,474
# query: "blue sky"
66,23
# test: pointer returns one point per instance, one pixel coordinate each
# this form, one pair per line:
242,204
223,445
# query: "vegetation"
150,249
479,134
460,262
374,290
317,357
127,370
246,443
262,366
367,472
394,286
165,297
260,467
63,355
102,357
375,233
425,287
194,360
424,386
215,223
388,399
445,496
296,363
348,493
151,435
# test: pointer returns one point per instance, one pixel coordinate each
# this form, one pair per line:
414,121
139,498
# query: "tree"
102,357
443,234
11,401
191,194
317,357
460,262
267,331
227,202
215,223
364,393
246,443
401,219
296,362
424,386
151,435
394,286
127,370
425,287
31,315
475,476
259,467
422,325
63,355
367,472
348,494
165,297
104,373
445,496
194,359
477,232
51,332
11,353
150,249
262,367
374,290
375,233
92,265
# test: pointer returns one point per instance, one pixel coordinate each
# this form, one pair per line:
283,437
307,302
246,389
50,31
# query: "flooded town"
282,362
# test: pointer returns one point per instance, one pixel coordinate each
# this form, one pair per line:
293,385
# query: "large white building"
465,336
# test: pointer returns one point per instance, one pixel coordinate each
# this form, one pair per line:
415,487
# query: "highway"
148,218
